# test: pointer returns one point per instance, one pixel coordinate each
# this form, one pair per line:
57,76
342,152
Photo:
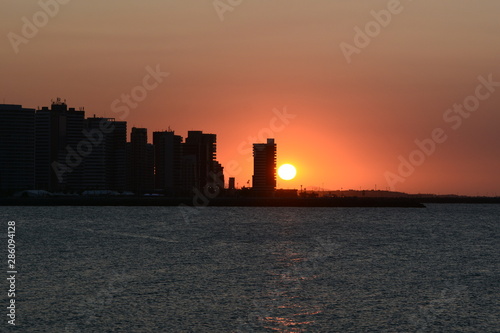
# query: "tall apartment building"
264,168
57,149
58,131
168,162
140,156
17,148
200,151
105,167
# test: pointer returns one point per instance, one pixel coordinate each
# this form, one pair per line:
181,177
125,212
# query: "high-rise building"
140,157
17,148
58,150
105,167
58,131
264,168
168,162
150,168
202,169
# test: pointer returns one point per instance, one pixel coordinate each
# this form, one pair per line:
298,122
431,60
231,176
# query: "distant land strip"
411,201
216,202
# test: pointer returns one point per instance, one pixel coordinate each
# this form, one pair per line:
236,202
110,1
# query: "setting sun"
287,171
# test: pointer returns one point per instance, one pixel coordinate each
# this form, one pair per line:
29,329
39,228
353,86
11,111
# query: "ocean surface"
233,269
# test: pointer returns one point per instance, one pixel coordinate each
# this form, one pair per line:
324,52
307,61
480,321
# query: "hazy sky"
355,103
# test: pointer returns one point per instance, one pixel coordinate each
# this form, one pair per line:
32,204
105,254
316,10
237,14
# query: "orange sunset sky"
231,63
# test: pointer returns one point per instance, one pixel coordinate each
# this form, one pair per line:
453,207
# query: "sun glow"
287,171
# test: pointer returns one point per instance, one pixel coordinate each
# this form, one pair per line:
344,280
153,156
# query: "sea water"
251,269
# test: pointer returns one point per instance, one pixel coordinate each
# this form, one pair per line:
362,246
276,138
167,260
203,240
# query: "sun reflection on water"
288,290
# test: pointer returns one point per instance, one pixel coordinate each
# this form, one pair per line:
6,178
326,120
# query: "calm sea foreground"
251,269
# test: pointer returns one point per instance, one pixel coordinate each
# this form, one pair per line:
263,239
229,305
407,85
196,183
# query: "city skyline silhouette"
165,165
250,165
352,92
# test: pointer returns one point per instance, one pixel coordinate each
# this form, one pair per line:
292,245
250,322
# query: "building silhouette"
264,168
182,168
201,170
59,150
140,156
17,148
168,162
105,167
58,131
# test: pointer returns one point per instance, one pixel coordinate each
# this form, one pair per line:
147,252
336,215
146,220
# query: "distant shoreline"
414,202
218,202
